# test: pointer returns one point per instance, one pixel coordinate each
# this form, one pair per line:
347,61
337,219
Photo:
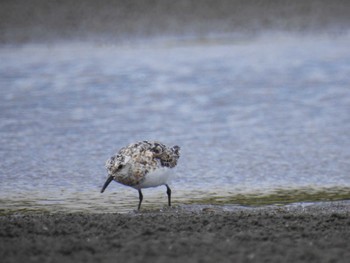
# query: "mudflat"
317,232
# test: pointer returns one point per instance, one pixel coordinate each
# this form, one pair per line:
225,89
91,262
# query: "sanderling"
142,165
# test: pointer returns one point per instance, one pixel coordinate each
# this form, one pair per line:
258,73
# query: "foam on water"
252,118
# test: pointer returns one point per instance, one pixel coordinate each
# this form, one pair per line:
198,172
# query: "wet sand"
296,233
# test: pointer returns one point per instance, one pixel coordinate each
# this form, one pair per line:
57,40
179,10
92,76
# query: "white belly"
159,177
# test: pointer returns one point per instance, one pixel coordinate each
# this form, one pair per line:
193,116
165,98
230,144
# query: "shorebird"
142,165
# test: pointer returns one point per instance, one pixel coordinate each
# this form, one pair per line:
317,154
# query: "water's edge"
279,197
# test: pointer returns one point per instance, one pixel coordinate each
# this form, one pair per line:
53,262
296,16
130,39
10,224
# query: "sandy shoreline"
298,233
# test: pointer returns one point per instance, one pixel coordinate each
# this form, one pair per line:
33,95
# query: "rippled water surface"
268,116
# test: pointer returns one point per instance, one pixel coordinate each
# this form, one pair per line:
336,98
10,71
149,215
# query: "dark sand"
298,233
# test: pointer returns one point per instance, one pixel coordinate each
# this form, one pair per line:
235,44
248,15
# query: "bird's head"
113,166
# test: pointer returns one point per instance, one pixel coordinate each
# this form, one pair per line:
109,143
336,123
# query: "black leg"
168,192
140,198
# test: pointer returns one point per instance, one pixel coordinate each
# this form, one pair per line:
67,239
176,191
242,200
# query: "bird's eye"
120,166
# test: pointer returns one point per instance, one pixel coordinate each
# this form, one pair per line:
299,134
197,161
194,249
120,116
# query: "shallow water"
257,118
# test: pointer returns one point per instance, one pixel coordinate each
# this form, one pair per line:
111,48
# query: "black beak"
109,179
